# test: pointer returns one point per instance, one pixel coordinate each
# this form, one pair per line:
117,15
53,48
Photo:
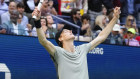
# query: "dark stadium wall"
24,58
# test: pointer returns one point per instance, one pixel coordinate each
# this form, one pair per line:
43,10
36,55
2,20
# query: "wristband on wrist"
37,23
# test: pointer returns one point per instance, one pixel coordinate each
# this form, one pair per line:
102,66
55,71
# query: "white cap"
116,27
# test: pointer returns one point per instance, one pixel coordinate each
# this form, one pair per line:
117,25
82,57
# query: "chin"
73,37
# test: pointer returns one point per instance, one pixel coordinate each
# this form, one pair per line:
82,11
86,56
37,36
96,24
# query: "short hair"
74,11
13,2
20,5
85,16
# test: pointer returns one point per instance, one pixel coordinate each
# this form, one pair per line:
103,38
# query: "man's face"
20,10
115,32
66,35
12,6
50,20
78,15
14,16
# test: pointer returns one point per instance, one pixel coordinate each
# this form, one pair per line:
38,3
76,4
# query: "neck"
50,25
75,20
14,22
69,46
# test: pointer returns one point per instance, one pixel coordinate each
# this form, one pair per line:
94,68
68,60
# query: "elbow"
102,38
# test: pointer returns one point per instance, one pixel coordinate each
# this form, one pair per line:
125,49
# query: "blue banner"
24,58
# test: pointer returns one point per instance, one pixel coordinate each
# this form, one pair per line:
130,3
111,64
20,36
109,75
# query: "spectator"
82,5
47,8
56,5
12,26
20,9
48,27
85,21
104,10
110,16
17,1
29,30
52,28
130,40
6,16
30,5
131,22
115,37
76,19
43,25
138,39
95,8
100,23
127,8
3,7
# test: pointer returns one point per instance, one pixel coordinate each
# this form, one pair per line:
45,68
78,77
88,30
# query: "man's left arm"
106,31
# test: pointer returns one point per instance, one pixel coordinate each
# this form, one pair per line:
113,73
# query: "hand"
29,26
85,26
117,12
134,25
36,13
3,31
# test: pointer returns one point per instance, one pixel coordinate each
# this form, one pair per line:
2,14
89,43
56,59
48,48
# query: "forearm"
41,35
44,42
106,31
85,6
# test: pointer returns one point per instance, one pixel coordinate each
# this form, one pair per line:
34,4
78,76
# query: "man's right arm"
41,35
44,42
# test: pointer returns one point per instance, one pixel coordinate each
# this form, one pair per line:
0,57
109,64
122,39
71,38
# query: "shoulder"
7,23
86,47
83,45
5,14
58,48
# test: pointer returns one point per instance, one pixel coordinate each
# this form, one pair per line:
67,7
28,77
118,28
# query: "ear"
60,39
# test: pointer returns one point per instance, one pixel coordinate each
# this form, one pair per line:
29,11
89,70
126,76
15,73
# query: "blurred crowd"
92,16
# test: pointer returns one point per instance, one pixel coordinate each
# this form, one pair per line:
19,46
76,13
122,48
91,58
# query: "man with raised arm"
70,60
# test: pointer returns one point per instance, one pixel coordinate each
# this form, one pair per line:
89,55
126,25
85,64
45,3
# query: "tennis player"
71,61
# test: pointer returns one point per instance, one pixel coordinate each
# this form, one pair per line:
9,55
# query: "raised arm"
106,31
41,35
